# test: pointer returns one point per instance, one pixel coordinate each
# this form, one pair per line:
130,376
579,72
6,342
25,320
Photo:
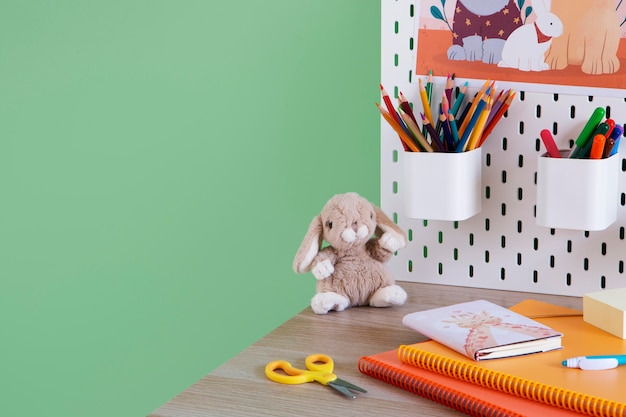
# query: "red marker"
548,142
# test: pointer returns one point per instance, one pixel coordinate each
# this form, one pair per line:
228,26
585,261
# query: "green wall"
160,162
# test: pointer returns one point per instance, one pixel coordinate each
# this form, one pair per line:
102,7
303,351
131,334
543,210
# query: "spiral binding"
433,391
555,396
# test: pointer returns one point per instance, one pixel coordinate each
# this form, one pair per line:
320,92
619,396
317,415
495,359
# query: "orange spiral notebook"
540,377
465,397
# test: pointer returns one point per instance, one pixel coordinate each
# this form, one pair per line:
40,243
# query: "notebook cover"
541,376
465,397
483,330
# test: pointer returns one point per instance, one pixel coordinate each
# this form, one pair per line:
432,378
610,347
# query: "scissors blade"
348,385
345,391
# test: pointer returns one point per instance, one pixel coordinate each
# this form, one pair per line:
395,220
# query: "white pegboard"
501,247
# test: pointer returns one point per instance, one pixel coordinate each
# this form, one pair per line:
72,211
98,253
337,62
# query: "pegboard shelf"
501,247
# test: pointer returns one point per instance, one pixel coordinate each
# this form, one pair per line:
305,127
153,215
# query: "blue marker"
616,134
595,363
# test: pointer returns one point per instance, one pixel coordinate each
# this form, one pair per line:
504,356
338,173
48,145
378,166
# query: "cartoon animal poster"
540,43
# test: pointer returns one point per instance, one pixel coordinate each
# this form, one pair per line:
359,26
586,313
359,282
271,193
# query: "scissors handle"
291,375
320,363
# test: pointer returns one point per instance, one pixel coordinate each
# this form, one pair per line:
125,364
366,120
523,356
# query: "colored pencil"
434,137
497,104
448,88
453,129
417,133
477,100
459,99
406,106
479,127
466,128
404,136
391,110
425,102
429,88
448,140
498,116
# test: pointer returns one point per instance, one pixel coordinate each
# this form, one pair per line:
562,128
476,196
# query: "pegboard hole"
555,128
471,271
455,254
538,111
603,282
395,187
425,252
519,259
396,27
535,276
520,161
486,256
502,274
519,226
410,266
410,235
620,267
568,279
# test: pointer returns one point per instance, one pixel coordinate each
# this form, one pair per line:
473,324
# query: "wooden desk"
240,388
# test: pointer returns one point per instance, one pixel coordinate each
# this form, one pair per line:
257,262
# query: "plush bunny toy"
351,271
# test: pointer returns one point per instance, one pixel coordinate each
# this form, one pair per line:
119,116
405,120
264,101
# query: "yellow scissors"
320,369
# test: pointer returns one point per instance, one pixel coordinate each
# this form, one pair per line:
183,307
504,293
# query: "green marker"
586,133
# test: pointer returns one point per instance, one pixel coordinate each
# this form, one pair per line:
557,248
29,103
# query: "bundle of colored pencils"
454,130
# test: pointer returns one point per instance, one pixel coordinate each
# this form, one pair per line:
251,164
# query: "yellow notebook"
540,377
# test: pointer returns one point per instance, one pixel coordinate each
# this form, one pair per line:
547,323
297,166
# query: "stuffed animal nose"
355,226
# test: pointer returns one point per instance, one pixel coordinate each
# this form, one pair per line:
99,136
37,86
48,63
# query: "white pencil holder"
442,186
580,194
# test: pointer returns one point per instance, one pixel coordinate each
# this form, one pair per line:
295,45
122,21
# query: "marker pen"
595,363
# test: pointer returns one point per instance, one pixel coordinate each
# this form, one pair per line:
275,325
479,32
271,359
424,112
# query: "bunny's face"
348,221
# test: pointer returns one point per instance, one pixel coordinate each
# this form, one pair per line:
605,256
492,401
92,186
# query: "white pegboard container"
579,194
501,247
455,193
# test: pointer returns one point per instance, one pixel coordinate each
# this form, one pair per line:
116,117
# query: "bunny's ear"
541,6
309,247
386,225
